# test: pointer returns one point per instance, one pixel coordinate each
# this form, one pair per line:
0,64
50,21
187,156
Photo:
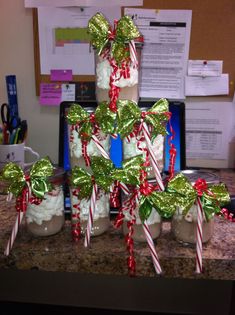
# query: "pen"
16,135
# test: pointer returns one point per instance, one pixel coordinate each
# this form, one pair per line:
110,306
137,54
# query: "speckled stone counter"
57,271
107,253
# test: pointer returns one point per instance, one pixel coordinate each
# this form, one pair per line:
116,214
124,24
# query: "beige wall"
17,57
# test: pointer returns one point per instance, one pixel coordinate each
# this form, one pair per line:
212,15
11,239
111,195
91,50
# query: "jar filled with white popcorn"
47,217
125,79
80,150
80,213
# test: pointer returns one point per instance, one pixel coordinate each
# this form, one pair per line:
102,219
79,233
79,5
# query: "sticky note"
61,75
50,94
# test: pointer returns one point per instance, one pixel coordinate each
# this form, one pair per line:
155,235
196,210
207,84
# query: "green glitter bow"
101,34
212,197
104,117
14,175
104,174
129,114
162,202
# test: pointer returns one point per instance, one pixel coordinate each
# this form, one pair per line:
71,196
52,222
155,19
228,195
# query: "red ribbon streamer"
24,198
76,227
84,153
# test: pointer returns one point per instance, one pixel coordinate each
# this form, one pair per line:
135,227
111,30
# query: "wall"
17,57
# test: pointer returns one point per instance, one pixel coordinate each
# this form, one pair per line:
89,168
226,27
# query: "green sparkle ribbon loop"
78,115
164,203
104,174
101,34
105,118
39,173
130,172
212,198
129,114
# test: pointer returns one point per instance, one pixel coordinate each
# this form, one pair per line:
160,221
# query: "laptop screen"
177,122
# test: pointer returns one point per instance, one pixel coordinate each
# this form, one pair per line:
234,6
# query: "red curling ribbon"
119,219
84,153
128,238
130,247
76,227
227,215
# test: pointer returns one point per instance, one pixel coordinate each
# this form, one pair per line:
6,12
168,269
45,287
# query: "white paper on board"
208,129
75,3
205,68
77,55
204,86
165,52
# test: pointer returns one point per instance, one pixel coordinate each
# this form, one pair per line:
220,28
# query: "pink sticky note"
50,94
61,75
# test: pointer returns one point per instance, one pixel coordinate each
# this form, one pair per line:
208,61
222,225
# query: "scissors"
9,122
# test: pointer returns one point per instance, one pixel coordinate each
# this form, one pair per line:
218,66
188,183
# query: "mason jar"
129,86
133,147
47,218
80,212
79,150
184,227
154,222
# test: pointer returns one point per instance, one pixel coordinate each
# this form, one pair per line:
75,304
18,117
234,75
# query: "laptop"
177,123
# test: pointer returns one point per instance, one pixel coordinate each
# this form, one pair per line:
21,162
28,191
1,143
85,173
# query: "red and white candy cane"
91,215
133,54
153,158
152,248
14,232
199,236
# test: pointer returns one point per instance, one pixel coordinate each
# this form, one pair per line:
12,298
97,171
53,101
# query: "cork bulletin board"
212,34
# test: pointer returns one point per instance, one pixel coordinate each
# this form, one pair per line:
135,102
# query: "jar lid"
193,175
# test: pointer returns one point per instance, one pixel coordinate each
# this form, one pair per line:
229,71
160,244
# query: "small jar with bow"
47,217
196,205
143,131
117,58
89,195
39,196
89,133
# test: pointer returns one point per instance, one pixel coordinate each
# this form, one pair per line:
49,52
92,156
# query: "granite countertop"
107,253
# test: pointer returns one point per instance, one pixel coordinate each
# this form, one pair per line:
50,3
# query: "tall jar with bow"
117,58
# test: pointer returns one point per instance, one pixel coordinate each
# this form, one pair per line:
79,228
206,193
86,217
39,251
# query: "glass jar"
154,222
184,227
129,86
132,147
80,211
47,218
76,148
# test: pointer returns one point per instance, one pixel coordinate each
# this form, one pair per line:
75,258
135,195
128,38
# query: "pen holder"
16,153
